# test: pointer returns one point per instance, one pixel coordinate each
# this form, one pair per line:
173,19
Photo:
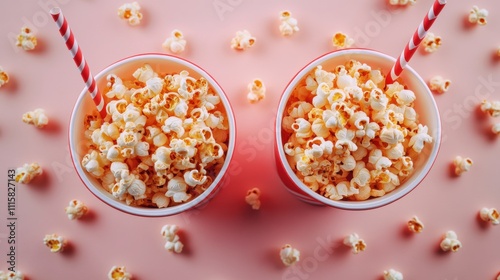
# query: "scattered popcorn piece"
176,42
256,91
392,274
497,52
496,128
173,243
37,118
490,215
431,42
55,242
492,108
4,77
415,225
462,164
76,209
450,242
289,255
357,244
119,273
288,24
243,40
478,16
341,41
26,39
402,2
10,275
252,198
498,276
439,84
28,172
130,12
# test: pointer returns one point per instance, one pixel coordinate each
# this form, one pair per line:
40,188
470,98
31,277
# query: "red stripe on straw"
79,60
415,40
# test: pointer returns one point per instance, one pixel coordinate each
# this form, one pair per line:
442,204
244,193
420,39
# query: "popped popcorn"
289,255
256,91
10,275
130,12
439,84
119,273
36,117
176,42
164,139
402,2
462,164
492,108
173,243
243,40
450,242
490,215
76,209
27,172
4,77
431,42
346,137
26,39
252,198
340,40
415,225
496,128
392,274
478,16
288,24
55,242
357,244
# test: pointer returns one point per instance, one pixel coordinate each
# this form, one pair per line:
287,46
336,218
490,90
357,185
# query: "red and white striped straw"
80,61
415,41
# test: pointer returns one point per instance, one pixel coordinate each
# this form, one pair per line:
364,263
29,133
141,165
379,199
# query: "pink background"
227,239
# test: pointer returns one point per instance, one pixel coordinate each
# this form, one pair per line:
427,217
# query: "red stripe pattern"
78,58
415,41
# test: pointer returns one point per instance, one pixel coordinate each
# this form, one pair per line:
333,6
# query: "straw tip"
442,2
55,11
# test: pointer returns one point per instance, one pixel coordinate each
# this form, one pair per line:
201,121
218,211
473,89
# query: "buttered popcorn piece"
496,129
492,108
28,172
355,243
462,164
36,117
289,255
26,39
131,13
288,24
119,273
173,243
242,40
415,225
450,242
478,16
176,42
392,274
256,91
4,77
439,84
340,40
55,242
402,2
253,198
76,209
431,42
490,215
11,275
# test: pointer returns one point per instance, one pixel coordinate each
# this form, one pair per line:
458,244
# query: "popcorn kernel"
26,39
119,273
55,242
289,255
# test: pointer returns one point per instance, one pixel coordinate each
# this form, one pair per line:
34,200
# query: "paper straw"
415,41
80,61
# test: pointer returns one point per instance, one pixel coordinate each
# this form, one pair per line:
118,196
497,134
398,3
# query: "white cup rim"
144,211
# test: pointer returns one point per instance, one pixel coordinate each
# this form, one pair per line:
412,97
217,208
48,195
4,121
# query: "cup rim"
144,211
370,203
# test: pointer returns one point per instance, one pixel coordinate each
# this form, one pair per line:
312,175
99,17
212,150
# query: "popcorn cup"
425,107
84,105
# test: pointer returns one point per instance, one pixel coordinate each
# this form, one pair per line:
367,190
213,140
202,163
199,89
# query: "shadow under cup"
425,107
160,63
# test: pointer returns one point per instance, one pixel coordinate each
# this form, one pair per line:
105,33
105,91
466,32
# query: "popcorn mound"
163,141
348,138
